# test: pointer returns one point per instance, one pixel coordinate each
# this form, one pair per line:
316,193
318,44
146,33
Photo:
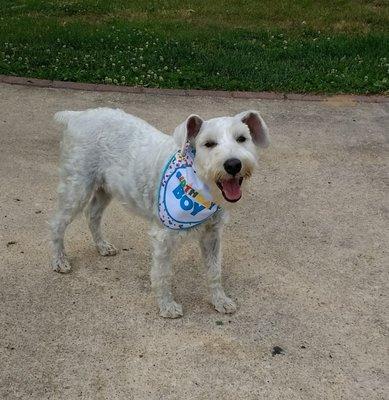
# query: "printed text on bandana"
184,201
189,198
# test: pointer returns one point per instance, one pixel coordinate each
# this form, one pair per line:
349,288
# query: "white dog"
180,183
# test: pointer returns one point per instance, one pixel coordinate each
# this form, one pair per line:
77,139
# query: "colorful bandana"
184,200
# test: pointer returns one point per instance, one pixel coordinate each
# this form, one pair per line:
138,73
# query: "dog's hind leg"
72,198
94,213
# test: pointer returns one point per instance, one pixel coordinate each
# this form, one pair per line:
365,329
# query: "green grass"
293,46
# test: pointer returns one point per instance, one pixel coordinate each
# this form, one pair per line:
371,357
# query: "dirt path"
305,255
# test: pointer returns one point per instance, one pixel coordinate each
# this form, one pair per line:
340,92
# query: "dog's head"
226,150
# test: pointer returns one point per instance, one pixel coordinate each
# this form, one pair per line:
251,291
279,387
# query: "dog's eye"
241,139
210,144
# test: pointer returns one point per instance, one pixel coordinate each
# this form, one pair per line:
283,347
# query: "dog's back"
102,126
101,139
109,148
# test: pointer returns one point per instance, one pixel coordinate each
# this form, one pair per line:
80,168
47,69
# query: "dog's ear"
187,131
257,126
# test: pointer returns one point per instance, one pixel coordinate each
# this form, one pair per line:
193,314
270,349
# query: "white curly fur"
107,153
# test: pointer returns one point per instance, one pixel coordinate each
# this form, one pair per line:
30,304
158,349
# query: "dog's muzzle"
231,188
231,185
232,166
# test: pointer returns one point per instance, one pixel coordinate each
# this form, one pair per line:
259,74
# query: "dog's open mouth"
231,188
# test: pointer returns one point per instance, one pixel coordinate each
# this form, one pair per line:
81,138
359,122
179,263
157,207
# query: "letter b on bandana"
178,192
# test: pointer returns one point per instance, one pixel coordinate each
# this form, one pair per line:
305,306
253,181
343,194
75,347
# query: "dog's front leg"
163,242
211,250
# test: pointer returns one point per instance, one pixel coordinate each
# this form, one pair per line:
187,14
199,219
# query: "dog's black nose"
233,166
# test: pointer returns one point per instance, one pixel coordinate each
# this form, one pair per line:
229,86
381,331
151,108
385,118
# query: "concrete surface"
305,257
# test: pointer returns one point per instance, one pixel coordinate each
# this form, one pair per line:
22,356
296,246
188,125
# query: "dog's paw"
106,249
224,305
170,310
61,265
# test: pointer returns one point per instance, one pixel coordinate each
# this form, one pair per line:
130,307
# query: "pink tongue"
231,188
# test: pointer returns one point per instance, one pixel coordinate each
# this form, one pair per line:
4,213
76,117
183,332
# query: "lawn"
290,46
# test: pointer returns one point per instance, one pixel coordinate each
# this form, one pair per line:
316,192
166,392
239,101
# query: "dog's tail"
64,117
